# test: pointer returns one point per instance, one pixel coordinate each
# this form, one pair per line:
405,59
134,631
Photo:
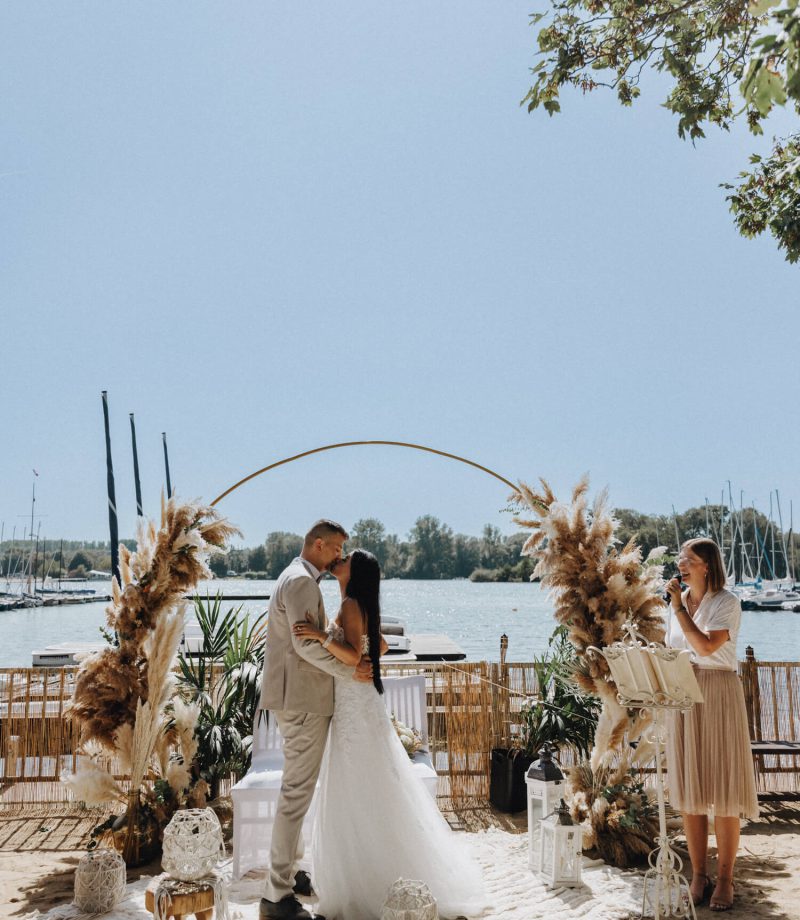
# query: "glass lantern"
545,784
560,850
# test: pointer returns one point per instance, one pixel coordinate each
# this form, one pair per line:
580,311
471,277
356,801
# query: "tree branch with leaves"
727,60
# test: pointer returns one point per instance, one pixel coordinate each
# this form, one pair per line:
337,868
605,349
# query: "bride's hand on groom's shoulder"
363,671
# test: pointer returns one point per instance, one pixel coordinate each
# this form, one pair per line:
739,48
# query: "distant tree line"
55,558
432,551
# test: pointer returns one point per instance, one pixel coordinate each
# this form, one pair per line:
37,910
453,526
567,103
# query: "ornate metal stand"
666,891
652,677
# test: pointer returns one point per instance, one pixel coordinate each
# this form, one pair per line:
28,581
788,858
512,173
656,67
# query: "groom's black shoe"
302,884
288,908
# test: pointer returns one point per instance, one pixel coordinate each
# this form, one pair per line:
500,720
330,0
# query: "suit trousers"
304,737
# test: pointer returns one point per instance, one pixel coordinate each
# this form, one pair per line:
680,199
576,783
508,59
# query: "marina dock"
431,647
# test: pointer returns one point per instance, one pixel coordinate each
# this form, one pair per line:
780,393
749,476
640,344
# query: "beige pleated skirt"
709,763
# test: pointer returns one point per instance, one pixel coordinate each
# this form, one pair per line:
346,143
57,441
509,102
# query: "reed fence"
472,707
772,698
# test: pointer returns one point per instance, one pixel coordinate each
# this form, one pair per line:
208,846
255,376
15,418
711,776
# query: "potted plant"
223,681
560,715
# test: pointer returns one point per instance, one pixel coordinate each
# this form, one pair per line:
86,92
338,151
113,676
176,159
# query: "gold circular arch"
319,450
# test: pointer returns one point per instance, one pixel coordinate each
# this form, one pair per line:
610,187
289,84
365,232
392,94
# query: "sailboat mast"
33,501
757,543
33,504
137,484
166,464
733,532
677,535
743,543
783,535
772,533
8,565
36,559
112,500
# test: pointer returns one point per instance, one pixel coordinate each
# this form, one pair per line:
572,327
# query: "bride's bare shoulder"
353,621
350,611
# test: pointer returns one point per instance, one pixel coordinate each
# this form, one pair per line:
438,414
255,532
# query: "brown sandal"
719,905
705,894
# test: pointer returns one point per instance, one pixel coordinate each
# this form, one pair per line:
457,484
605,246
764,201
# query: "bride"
375,820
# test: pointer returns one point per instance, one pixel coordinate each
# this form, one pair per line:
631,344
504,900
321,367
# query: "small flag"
35,473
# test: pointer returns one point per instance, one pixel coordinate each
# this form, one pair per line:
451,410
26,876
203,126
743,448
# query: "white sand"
514,892
34,882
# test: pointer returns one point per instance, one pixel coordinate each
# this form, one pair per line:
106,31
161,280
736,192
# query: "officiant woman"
709,762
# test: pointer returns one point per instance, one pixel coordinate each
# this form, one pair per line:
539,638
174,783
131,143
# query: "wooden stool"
200,902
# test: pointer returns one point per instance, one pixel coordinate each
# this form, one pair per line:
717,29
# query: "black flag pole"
166,464
112,501
138,484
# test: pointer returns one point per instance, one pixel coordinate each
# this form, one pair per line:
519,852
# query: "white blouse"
721,610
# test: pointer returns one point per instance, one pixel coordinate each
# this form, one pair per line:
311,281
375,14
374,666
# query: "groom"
297,687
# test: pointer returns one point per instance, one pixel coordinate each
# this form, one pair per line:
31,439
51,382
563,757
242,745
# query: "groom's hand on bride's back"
363,671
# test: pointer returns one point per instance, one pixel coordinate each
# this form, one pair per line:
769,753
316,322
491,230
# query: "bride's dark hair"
364,587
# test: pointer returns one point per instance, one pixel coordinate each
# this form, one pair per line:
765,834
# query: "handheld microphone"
665,596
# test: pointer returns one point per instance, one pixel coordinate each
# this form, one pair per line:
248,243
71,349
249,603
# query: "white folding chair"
255,798
405,700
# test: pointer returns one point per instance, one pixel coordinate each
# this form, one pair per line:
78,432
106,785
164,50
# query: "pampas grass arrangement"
125,700
620,822
597,588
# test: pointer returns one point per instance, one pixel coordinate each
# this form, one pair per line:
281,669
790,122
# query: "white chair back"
405,699
267,743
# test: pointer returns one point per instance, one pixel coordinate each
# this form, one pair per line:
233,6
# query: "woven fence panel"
472,707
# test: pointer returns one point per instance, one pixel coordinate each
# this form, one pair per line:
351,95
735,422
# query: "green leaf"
768,91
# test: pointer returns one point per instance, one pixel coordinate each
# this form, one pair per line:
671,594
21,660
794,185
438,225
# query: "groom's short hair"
323,529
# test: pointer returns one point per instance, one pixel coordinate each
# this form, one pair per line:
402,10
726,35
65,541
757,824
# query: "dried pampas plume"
122,693
93,784
597,588
169,562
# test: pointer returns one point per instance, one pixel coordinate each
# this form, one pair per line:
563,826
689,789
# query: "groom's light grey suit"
297,687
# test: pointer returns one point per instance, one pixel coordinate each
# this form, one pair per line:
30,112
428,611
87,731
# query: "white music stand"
651,676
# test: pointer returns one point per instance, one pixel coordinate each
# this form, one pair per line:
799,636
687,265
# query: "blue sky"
264,227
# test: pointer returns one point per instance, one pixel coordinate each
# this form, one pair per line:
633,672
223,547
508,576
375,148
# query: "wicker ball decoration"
409,900
100,881
192,844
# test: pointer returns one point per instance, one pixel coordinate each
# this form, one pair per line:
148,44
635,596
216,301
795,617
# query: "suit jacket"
298,673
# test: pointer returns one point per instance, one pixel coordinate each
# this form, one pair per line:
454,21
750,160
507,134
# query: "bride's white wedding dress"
376,822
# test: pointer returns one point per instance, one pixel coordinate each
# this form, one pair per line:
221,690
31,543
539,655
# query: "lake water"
472,615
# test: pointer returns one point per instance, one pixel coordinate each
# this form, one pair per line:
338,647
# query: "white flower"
189,539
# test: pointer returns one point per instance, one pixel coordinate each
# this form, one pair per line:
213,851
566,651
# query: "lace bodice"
333,629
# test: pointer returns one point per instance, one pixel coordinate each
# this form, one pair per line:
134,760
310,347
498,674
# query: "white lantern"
409,899
560,850
192,844
545,784
99,881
